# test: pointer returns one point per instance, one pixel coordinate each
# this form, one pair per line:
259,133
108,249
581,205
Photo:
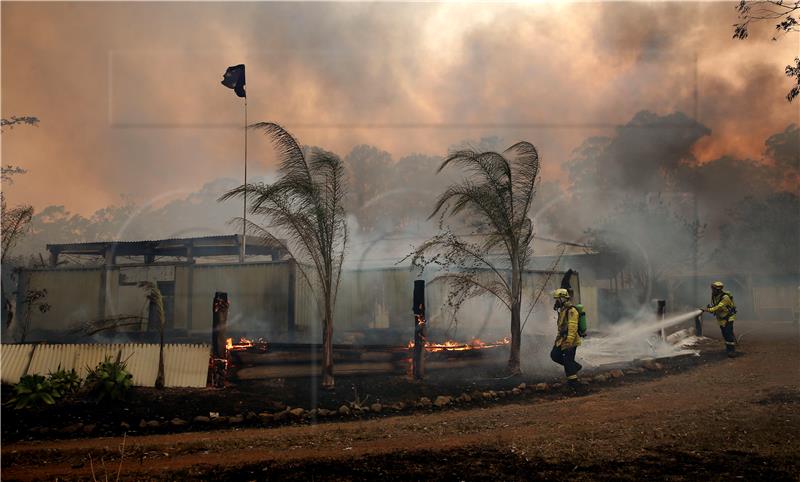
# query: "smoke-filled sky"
131,105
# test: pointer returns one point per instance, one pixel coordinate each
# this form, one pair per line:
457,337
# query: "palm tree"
305,206
496,196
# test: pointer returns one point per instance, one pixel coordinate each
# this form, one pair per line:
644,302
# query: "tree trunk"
160,376
327,348
516,339
516,333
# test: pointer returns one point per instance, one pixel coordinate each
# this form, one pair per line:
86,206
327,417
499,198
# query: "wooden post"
219,324
219,351
661,311
420,330
53,258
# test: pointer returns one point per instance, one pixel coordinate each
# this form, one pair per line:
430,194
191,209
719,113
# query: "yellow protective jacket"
722,306
568,327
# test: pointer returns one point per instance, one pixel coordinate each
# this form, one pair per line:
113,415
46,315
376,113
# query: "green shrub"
110,380
33,391
64,382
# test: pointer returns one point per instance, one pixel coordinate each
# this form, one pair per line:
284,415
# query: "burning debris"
455,346
258,346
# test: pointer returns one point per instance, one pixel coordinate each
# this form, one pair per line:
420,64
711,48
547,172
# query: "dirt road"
726,419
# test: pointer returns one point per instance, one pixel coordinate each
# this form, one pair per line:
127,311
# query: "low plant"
64,382
110,380
33,391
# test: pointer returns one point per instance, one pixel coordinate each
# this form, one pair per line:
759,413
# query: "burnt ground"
239,404
706,418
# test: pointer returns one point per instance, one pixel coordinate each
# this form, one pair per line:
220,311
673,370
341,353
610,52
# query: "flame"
245,343
451,345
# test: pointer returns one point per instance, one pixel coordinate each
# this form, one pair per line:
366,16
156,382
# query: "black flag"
234,79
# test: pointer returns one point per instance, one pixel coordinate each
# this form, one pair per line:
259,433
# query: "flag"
234,79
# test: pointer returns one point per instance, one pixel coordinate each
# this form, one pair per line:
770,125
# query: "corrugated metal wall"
381,298
259,295
73,296
14,361
184,365
370,299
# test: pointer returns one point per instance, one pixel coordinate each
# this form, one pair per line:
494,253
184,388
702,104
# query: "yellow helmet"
561,293
717,285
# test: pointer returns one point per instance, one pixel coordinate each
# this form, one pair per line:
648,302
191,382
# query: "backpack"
581,320
732,309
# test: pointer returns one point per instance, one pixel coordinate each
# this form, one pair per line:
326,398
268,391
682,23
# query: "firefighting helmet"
561,293
717,285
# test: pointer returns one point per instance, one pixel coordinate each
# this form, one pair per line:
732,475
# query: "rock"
280,416
652,365
89,428
153,424
486,395
617,373
344,410
250,416
236,419
424,402
502,394
313,413
219,420
522,386
494,394
399,406
442,401
601,378
541,387
177,422
201,419
324,412
297,412
72,428
516,391
124,425
266,417
142,423
464,398
279,406
376,407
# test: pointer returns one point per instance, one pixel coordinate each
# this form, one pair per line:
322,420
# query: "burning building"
268,297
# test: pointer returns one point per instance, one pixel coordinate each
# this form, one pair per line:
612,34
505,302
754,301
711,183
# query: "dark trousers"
730,339
567,359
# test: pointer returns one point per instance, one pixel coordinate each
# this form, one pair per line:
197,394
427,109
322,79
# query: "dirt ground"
723,419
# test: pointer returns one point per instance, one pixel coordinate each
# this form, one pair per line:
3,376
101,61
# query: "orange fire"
450,345
244,344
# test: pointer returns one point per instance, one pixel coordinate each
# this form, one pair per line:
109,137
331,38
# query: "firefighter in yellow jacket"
723,308
567,340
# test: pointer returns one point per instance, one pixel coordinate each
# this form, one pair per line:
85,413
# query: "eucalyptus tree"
494,198
304,213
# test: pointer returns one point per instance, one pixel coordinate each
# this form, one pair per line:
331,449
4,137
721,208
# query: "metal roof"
200,246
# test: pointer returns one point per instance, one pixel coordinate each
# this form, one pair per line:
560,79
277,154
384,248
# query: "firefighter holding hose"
568,339
723,308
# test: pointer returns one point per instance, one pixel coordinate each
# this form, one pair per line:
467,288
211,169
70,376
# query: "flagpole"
244,207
